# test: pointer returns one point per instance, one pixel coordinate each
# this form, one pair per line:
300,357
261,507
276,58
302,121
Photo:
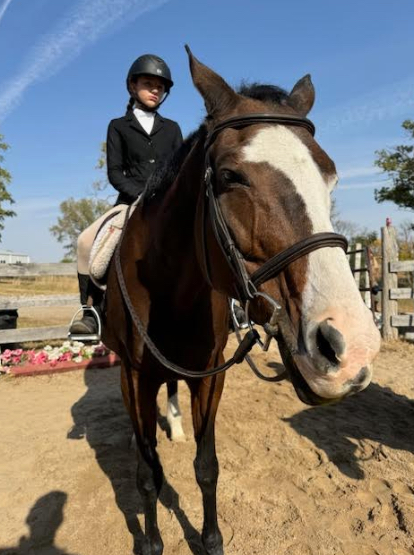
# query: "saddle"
105,244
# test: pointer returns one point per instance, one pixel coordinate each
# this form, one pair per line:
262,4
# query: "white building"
9,257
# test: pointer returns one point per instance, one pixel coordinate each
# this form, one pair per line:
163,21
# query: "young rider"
137,144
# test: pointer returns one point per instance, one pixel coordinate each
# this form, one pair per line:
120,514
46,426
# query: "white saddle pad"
104,246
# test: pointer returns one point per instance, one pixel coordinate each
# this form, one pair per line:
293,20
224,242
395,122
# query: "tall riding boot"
88,296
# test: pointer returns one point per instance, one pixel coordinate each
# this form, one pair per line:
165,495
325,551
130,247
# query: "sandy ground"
294,480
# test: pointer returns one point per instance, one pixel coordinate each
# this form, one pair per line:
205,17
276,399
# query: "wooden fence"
392,319
22,335
360,261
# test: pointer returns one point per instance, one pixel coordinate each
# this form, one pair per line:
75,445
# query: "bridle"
246,285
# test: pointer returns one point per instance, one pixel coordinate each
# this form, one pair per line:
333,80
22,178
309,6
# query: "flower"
68,351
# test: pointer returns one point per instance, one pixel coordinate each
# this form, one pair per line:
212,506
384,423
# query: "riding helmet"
149,64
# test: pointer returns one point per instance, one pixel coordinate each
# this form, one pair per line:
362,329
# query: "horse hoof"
213,545
154,548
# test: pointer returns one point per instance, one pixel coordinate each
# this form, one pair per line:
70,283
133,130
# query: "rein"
249,340
246,285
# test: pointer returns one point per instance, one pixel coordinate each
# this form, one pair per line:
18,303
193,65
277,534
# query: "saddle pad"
104,246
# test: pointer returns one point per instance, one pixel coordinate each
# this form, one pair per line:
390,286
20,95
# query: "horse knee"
150,474
206,471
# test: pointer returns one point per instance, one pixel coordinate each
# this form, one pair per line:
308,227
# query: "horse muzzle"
330,362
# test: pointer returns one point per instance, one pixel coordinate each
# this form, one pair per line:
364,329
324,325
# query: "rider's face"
149,90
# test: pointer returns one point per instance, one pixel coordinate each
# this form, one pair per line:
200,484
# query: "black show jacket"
132,155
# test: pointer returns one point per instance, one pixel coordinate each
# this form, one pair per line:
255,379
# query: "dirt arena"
293,480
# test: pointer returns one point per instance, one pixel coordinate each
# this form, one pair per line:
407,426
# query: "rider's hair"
130,103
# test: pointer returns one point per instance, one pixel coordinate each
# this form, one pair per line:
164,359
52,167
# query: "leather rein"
246,285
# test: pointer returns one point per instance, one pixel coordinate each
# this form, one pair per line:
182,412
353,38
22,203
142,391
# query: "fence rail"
24,335
10,302
38,300
35,270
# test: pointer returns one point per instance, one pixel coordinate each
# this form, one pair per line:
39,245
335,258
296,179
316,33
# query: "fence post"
357,264
389,281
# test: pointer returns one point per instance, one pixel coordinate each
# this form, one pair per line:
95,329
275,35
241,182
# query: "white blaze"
284,151
330,292
330,282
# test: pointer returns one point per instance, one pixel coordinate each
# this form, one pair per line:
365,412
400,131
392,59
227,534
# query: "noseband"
246,285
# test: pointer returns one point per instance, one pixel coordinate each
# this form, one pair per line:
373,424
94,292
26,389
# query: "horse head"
272,182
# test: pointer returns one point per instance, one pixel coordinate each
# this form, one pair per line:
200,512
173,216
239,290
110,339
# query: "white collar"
139,113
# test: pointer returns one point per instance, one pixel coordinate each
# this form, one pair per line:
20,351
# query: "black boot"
88,324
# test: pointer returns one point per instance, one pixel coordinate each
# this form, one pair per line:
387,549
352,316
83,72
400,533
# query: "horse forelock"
265,93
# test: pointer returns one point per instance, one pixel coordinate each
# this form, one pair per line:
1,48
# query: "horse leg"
140,396
174,413
205,397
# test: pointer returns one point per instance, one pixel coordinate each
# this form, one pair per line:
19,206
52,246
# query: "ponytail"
130,103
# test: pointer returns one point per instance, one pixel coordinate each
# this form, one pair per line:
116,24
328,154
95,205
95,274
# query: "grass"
41,285
34,317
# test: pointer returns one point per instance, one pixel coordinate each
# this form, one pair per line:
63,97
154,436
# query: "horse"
242,211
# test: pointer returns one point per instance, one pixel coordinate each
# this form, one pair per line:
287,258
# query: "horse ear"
302,96
218,95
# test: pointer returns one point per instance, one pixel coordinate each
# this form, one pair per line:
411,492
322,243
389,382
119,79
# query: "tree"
344,227
398,163
103,183
5,179
406,240
76,216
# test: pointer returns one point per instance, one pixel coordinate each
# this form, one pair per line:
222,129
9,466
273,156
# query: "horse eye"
230,177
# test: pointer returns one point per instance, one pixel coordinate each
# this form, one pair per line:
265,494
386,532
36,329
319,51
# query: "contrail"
82,26
393,100
4,7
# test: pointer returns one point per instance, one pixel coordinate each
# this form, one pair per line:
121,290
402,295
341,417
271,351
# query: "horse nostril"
330,342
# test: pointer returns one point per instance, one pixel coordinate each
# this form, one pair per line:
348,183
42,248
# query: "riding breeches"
87,237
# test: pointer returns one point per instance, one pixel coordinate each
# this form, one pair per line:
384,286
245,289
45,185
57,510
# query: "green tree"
398,163
5,179
103,183
76,216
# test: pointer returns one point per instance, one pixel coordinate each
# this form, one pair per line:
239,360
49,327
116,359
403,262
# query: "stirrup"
86,336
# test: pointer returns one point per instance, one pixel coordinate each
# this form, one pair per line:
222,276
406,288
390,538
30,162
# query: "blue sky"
62,79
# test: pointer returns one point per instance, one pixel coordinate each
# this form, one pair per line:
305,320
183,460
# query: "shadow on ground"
376,414
43,522
101,418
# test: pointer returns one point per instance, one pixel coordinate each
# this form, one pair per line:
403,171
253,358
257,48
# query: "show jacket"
133,155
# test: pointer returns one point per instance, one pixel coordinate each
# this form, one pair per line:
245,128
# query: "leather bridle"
246,285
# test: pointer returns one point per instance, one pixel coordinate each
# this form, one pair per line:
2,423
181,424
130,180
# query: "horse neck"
171,226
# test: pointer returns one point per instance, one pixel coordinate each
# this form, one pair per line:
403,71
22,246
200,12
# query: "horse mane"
164,176
162,179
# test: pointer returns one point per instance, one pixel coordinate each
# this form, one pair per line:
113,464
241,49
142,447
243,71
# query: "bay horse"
243,211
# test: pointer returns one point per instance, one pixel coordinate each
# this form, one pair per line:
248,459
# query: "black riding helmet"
149,64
